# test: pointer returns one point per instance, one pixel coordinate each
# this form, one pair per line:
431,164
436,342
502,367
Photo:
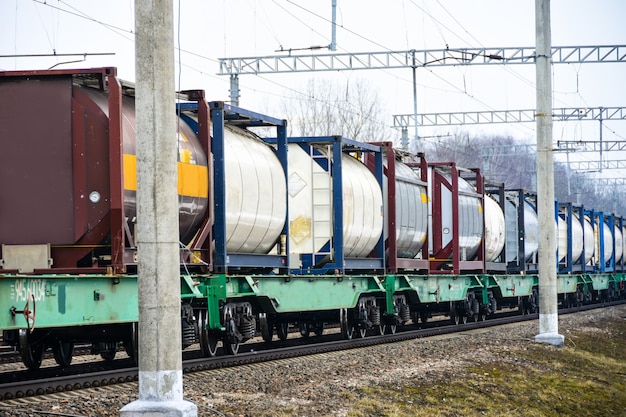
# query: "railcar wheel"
521,305
31,352
475,309
231,348
305,331
267,327
415,317
131,345
63,352
211,344
361,332
208,339
388,329
347,330
454,317
32,356
319,329
109,352
282,330
231,345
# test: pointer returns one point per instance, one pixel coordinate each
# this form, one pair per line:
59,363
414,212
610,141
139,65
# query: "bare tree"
492,154
351,110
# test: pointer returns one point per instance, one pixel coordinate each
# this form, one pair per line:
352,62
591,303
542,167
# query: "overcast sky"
236,28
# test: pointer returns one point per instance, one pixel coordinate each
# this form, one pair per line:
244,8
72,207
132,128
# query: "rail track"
54,379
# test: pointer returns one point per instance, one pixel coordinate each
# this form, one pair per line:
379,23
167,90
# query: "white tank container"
589,240
531,228
577,238
619,244
495,231
256,193
411,211
607,240
311,205
624,241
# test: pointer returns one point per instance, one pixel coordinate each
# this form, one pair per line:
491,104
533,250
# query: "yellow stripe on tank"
193,180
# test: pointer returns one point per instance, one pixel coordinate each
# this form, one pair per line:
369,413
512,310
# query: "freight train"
275,231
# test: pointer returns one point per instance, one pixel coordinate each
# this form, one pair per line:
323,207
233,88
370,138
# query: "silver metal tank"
589,240
624,240
576,235
607,240
619,244
411,211
192,166
311,203
256,193
495,230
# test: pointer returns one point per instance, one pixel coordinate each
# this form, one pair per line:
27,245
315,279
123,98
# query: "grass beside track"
586,377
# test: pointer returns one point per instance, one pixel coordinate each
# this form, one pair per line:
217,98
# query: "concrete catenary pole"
548,314
159,355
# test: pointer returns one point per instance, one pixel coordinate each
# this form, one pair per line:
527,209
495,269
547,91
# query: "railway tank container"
76,189
192,162
256,204
565,235
311,204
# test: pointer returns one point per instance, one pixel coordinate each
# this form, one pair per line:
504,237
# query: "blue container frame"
568,265
220,114
598,220
340,264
